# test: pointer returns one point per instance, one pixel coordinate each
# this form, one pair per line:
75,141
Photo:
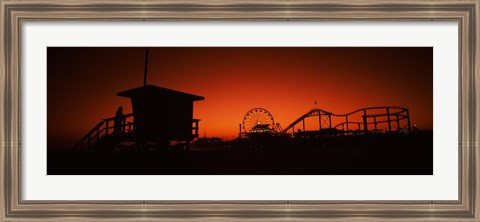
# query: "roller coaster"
382,119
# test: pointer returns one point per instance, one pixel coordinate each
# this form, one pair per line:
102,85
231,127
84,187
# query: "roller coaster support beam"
408,119
365,125
320,120
329,120
346,121
398,122
388,118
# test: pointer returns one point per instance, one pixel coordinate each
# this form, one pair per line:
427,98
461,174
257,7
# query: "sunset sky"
82,83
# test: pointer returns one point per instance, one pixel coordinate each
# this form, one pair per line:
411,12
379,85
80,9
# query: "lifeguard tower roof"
156,91
162,114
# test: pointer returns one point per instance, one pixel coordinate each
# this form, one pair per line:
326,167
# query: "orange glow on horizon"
83,82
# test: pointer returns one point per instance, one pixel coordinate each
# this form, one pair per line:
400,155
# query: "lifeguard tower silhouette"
159,116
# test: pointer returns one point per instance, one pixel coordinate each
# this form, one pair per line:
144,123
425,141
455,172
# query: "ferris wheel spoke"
256,116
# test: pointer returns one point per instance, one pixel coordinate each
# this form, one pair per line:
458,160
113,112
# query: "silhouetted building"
162,114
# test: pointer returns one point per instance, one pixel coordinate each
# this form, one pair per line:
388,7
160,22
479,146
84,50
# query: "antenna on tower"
146,68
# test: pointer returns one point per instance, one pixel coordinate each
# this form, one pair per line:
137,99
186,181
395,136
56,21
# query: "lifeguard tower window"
162,114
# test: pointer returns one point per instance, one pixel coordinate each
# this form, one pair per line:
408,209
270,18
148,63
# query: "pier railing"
107,127
104,128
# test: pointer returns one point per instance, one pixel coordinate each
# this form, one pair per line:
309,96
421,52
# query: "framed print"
260,145
226,110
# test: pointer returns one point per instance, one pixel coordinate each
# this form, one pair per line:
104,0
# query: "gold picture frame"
15,12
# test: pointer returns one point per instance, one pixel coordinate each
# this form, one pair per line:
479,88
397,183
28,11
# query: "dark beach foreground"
372,154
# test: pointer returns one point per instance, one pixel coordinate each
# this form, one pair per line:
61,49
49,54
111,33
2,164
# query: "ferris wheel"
258,120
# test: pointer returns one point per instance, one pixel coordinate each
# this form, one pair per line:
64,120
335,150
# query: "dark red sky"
82,83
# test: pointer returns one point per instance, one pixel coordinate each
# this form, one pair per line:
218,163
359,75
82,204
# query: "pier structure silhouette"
381,119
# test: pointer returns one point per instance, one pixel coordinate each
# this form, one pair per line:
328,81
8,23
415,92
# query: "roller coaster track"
391,115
